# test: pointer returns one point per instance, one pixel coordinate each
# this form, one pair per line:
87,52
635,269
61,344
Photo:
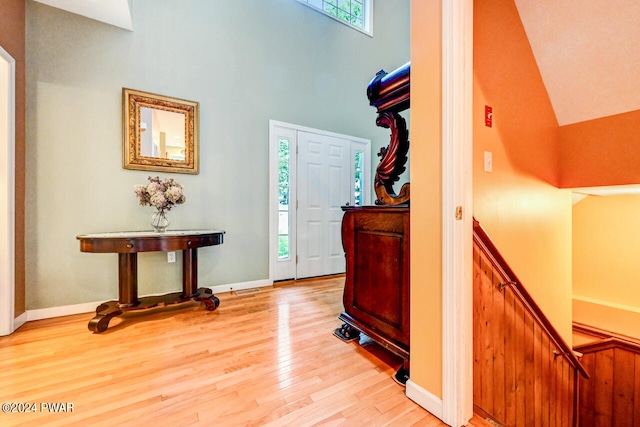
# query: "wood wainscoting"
524,373
611,397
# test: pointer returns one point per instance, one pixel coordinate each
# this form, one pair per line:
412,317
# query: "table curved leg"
100,322
104,313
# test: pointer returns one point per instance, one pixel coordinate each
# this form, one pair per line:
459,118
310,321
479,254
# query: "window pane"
349,11
330,9
283,172
357,188
283,246
283,223
283,199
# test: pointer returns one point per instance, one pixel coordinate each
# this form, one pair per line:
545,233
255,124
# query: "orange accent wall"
603,151
12,39
426,201
518,203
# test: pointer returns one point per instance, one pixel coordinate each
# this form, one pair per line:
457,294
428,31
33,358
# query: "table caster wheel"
212,303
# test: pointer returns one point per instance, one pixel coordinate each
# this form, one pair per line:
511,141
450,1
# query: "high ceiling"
588,53
113,12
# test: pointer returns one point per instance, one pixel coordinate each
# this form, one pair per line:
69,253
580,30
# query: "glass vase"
160,221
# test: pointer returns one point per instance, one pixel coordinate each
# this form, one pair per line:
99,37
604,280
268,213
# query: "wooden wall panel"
636,390
560,391
587,394
545,379
498,340
603,384
623,382
485,322
510,362
478,338
518,380
529,348
519,357
538,357
611,397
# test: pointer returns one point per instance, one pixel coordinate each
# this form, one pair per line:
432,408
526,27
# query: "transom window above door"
357,14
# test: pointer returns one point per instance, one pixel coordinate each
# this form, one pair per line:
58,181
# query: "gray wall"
245,62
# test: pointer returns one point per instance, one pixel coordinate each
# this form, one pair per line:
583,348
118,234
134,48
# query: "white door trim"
274,126
7,192
457,234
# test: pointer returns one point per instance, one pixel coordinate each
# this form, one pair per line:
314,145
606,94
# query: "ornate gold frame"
132,101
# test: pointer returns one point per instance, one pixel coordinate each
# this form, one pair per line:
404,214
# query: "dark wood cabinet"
376,238
376,293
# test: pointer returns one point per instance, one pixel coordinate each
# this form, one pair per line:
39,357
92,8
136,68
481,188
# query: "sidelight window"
284,192
358,167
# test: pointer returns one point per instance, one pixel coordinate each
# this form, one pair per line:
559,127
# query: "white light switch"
488,161
171,257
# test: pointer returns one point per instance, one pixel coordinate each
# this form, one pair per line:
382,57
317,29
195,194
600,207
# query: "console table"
127,245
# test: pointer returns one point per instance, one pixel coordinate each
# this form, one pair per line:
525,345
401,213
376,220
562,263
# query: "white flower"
158,200
161,194
173,194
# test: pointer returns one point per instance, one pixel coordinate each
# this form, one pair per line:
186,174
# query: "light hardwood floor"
261,359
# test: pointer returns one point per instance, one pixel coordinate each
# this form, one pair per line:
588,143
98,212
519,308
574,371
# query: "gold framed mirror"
159,133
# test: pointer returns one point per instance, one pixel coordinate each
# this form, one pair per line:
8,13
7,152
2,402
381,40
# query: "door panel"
323,187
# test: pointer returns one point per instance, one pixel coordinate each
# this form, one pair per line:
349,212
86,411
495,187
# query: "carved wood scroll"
389,93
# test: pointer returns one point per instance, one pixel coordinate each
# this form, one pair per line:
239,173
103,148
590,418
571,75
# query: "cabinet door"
377,285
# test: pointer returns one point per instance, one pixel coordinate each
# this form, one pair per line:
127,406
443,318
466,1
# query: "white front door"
313,173
323,188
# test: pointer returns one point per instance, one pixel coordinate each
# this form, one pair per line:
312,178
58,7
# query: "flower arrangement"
162,194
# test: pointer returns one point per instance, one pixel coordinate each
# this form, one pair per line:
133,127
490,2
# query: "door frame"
7,194
457,191
454,404
291,130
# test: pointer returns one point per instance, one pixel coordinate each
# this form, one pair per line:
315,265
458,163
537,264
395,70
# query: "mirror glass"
160,133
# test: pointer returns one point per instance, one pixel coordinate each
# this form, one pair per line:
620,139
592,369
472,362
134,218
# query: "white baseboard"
424,398
20,320
88,307
65,310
